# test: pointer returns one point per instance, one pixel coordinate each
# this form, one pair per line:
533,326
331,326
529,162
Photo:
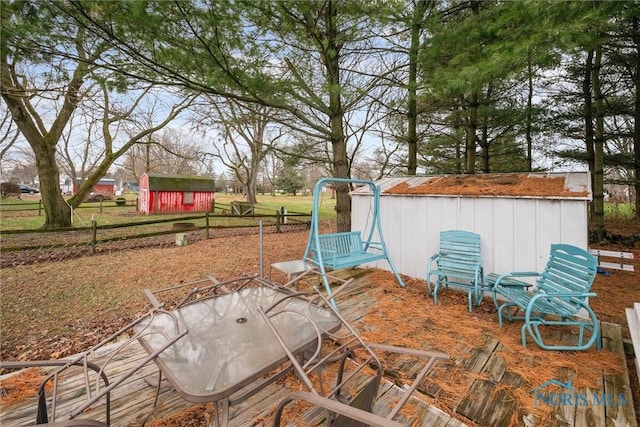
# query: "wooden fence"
95,234
37,206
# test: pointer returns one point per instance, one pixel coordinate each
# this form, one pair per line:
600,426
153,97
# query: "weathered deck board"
435,417
617,386
484,403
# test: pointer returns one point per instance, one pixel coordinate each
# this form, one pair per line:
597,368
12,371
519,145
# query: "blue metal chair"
560,297
458,263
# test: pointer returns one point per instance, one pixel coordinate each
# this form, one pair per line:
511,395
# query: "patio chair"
348,400
560,297
97,383
458,263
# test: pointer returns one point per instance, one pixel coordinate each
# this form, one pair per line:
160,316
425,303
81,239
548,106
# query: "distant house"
66,186
130,186
104,186
174,193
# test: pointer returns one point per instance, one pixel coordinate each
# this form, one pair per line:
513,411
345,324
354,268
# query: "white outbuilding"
518,216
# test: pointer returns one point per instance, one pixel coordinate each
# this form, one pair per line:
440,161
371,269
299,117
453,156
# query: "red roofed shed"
175,194
103,186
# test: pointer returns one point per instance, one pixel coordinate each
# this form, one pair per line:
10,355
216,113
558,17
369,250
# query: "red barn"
104,186
173,193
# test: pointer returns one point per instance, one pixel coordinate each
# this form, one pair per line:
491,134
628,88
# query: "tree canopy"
410,85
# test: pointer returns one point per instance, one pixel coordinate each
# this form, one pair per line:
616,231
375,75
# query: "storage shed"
518,216
174,194
105,186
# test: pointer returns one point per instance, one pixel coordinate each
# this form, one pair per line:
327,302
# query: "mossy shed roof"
539,185
159,182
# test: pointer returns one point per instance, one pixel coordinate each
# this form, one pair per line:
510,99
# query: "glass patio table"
229,347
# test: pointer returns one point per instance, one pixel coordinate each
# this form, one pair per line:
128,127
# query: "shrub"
9,189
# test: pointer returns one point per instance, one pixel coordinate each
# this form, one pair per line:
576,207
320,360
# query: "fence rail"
37,206
95,234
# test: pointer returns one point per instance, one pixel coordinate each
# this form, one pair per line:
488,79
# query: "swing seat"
344,250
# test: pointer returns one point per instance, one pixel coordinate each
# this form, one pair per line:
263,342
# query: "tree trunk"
471,130
57,211
529,123
484,138
252,180
484,146
412,109
636,115
472,126
598,159
331,58
258,154
459,149
588,119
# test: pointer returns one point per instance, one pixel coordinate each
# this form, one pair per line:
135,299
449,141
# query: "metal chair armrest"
335,407
561,295
503,279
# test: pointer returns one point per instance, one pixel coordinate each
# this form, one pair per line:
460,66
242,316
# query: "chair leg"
287,400
436,286
500,309
533,328
524,335
429,274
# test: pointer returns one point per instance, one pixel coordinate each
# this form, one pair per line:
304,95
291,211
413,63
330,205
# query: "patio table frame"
229,353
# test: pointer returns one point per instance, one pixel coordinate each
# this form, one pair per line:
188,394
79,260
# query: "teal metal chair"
458,263
560,297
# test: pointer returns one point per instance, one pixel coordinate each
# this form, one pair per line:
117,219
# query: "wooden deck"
483,403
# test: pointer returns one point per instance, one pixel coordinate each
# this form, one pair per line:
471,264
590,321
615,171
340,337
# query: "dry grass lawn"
54,309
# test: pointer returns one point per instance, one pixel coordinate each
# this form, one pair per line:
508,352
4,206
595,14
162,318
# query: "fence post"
94,232
40,207
206,221
277,221
261,239
100,205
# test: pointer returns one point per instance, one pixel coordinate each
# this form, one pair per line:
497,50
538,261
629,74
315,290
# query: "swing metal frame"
346,249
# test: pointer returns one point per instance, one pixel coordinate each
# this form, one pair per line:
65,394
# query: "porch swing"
342,250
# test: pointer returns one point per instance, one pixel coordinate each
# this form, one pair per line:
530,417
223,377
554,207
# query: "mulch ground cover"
51,309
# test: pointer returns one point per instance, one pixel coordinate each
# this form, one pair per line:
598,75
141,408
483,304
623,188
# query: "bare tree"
314,60
110,127
270,167
23,167
9,133
244,138
19,92
169,152
66,60
80,150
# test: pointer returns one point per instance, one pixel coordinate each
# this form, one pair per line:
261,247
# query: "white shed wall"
516,233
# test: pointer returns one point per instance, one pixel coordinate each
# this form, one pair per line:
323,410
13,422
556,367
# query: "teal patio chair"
560,298
458,263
